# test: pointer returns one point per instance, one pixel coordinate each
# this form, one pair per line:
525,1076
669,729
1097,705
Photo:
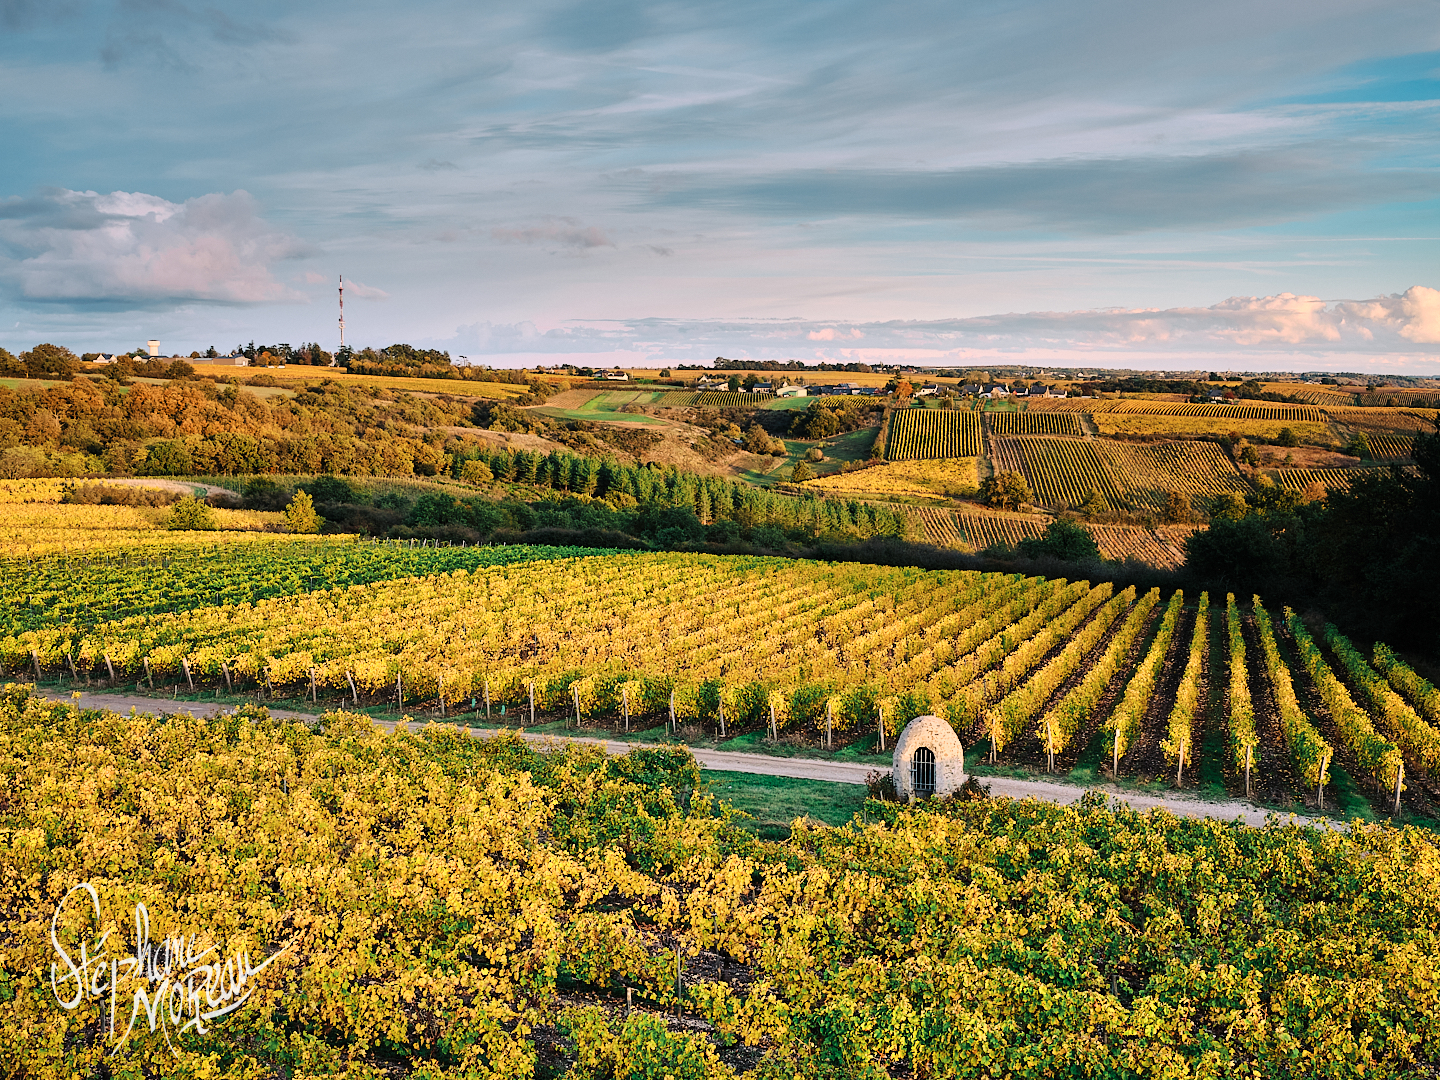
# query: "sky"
1108,184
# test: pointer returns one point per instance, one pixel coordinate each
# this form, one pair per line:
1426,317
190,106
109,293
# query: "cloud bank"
132,249
1283,331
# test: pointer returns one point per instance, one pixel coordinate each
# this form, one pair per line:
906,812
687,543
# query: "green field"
606,406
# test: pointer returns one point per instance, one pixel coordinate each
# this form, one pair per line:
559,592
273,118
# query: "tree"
47,359
802,472
1063,539
733,384
1177,509
1005,490
903,389
190,515
476,471
1286,437
1358,446
300,515
1249,456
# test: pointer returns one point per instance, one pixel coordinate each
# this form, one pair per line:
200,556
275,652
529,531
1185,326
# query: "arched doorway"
922,772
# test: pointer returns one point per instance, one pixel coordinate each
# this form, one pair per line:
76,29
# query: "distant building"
927,390
615,376
761,388
789,391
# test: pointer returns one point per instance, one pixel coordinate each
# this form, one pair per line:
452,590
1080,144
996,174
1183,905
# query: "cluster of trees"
44,361
1367,554
199,426
710,499
827,417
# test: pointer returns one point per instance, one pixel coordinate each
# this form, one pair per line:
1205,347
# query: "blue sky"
1107,184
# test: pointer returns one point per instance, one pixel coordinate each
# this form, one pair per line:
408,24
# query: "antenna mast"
342,311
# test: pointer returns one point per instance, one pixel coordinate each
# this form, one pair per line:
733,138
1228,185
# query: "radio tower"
342,312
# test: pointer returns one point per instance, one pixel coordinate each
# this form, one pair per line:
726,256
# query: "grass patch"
1350,802
776,801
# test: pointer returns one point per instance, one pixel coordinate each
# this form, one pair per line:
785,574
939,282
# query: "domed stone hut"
929,759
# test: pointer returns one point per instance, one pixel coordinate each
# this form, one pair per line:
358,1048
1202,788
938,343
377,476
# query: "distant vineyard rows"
932,433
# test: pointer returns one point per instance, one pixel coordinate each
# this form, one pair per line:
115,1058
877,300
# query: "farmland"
932,433
778,646
1061,472
613,912
1034,423
1193,427
927,478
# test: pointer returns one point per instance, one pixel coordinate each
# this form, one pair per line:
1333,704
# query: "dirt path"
185,487
839,772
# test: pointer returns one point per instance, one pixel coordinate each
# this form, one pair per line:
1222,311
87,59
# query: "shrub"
190,515
300,515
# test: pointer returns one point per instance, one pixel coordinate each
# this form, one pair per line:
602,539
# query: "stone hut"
929,759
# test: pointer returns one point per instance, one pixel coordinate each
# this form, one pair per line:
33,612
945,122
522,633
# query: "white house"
789,391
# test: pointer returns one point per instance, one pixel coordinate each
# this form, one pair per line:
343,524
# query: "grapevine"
1125,721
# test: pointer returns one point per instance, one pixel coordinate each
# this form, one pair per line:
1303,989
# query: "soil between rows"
1145,758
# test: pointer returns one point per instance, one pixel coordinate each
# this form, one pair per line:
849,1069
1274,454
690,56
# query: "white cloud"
1279,331
365,292
80,247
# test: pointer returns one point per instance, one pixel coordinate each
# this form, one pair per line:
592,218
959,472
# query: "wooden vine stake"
1249,750
575,694
774,731
1050,746
625,706
354,694
673,729
110,667
440,693
1180,765
35,658
399,692
185,667
880,726
74,675
1115,764
722,716
1399,783
487,697
531,685
829,725
225,670
149,675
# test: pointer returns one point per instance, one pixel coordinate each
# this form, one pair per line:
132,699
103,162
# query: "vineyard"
1413,421
1249,411
1255,410
772,645
1150,471
932,433
967,531
1391,447
1329,479
976,532
1061,472
453,908
1035,423
1154,425
88,588
710,399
